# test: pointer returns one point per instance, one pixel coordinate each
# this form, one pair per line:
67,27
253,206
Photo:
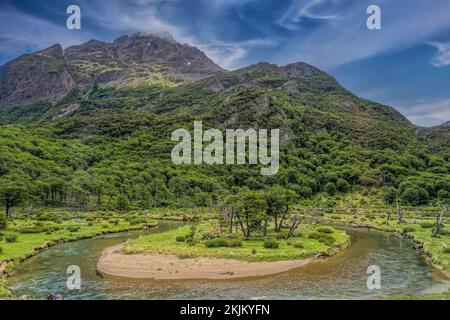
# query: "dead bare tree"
399,213
388,218
438,224
298,218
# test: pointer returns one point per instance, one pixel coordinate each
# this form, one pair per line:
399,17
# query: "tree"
12,193
248,208
438,225
278,202
390,194
342,185
330,188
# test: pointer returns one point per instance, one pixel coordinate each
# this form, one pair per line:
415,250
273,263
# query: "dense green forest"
109,148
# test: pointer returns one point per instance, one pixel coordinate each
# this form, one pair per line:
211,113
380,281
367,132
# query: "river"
342,276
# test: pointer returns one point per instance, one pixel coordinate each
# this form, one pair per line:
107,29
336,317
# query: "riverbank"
115,262
24,238
417,228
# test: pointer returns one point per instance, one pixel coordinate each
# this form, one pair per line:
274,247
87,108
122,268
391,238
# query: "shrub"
446,249
207,236
444,232
427,225
271,244
325,230
73,229
298,245
235,243
282,235
135,221
254,251
114,221
408,229
180,239
325,238
11,238
216,243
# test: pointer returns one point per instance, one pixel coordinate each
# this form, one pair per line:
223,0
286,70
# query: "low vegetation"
208,241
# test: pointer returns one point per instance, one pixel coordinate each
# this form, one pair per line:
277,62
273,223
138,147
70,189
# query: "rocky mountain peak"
51,73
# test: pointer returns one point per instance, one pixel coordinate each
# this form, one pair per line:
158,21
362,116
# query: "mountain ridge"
125,60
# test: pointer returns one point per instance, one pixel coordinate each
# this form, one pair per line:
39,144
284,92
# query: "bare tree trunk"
388,217
399,213
438,225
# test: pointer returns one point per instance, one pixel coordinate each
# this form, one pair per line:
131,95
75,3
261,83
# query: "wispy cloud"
442,56
147,16
23,33
302,10
428,113
339,41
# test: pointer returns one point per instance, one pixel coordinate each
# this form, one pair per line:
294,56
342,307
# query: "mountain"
107,140
43,75
50,74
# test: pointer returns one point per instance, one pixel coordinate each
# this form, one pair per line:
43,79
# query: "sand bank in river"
169,267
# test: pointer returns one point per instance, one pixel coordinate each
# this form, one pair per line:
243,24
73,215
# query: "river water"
342,276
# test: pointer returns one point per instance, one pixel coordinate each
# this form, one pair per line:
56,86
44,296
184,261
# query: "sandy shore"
169,267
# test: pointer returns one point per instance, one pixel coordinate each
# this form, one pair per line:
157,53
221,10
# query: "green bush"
73,229
1,250
180,239
427,225
325,230
271,244
135,221
325,238
444,232
446,249
298,245
10,238
342,185
408,229
234,243
282,235
216,243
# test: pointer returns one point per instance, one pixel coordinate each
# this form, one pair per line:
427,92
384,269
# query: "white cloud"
346,39
24,33
428,113
230,54
300,10
442,56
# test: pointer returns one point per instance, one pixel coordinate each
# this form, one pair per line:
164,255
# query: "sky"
405,64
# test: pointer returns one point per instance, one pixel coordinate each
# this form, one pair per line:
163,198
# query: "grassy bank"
416,227
308,242
25,236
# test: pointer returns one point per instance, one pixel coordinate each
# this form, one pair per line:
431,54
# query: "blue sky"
406,64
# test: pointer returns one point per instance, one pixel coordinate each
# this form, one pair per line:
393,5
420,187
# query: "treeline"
39,168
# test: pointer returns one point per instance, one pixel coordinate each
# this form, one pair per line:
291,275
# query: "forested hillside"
106,143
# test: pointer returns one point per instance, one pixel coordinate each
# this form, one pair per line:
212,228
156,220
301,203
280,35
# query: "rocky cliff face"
43,75
51,73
